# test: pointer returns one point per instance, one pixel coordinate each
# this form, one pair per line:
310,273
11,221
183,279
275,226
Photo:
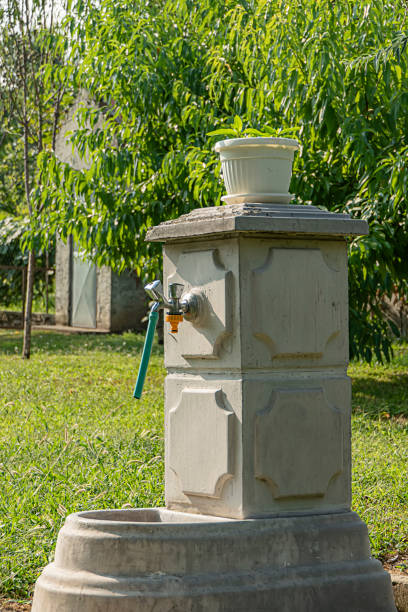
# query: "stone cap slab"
267,219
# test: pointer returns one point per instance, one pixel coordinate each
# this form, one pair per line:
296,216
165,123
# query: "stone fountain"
257,435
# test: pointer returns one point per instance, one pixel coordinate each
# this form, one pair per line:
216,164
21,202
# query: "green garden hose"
147,349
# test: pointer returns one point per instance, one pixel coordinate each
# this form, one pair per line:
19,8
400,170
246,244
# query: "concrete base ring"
158,560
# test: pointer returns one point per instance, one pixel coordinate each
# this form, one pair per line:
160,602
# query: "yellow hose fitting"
174,320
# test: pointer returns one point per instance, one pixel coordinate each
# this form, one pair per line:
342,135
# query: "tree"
11,171
30,101
164,83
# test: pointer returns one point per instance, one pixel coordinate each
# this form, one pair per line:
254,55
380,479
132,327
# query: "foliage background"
12,231
166,73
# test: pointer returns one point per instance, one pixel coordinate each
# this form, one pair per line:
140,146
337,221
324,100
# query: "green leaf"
237,124
222,132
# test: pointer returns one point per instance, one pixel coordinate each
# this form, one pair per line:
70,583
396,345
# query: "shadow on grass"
381,392
383,396
53,343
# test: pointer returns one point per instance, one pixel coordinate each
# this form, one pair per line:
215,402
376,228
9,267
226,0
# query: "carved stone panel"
201,442
203,271
300,299
298,443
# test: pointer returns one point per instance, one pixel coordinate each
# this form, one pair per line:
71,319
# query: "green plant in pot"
256,166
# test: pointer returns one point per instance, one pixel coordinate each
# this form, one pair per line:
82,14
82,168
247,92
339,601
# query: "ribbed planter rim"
232,143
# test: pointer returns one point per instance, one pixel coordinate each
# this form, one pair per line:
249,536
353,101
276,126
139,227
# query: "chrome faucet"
155,291
178,306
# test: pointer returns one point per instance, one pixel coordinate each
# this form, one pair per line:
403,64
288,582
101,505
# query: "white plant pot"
257,169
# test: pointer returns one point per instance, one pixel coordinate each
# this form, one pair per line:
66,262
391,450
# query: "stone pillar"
63,279
257,395
104,298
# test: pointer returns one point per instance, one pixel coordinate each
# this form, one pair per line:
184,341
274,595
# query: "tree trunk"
28,305
47,265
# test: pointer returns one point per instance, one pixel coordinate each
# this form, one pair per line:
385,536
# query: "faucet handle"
175,291
155,291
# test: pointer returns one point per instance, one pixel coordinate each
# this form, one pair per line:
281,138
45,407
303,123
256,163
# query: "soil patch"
11,605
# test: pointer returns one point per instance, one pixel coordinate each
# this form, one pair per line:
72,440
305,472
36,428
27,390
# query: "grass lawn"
73,438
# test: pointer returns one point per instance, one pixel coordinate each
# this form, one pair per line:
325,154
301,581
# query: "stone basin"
154,559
